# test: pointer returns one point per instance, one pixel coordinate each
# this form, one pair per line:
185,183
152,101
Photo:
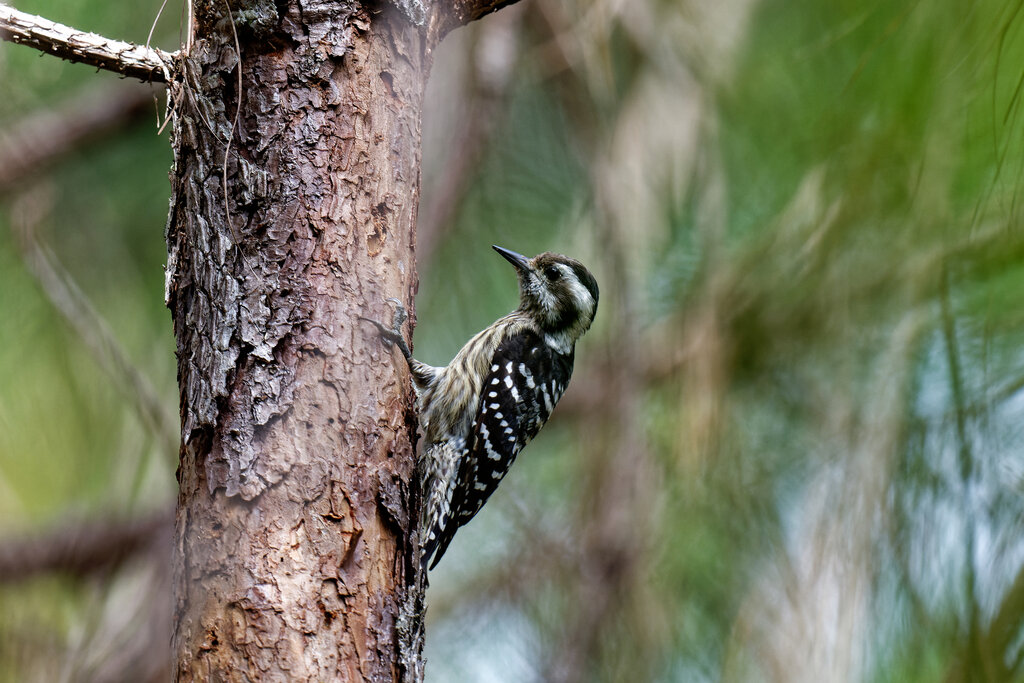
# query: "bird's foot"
393,335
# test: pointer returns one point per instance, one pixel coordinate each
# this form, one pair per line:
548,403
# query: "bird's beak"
518,260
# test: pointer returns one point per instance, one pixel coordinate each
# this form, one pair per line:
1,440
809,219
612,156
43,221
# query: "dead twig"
128,59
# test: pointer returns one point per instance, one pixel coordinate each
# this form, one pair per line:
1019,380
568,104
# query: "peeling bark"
297,452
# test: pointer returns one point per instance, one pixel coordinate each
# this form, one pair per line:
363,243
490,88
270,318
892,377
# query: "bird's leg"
393,335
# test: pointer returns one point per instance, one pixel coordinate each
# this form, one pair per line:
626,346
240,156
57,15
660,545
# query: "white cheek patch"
581,294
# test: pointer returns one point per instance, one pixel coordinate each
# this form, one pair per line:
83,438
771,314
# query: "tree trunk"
295,511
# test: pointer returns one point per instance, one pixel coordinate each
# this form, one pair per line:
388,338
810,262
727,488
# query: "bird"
478,412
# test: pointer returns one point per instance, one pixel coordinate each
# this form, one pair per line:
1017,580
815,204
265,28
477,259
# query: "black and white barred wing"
526,379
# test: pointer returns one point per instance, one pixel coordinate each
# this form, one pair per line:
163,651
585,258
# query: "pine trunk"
295,187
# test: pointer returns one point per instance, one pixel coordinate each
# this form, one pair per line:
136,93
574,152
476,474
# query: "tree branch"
83,548
127,59
43,137
465,11
96,335
451,14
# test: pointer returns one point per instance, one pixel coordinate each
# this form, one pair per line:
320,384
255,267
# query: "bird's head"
558,291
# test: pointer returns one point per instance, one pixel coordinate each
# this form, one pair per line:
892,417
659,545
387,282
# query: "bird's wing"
525,381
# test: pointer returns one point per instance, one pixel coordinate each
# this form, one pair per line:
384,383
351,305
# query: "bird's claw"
400,314
393,335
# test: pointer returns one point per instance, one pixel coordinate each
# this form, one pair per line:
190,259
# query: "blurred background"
792,449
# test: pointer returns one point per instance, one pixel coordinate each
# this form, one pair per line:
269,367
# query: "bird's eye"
552,273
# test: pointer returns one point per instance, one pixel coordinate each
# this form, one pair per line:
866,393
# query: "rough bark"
297,452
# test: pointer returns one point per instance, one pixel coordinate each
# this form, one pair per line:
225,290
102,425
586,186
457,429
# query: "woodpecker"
481,409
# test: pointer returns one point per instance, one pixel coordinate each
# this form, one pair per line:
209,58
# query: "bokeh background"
792,449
